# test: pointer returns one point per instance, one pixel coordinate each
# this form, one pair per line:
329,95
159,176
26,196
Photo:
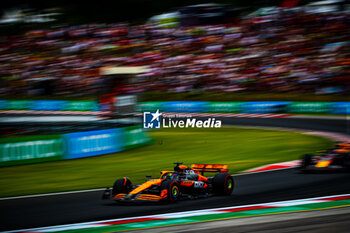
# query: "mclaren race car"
183,182
335,159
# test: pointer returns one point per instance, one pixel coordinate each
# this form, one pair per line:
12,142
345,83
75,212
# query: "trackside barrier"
49,105
265,107
81,106
90,143
247,107
134,136
149,106
341,108
33,149
225,107
3,104
17,105
186,106
310,107
216,107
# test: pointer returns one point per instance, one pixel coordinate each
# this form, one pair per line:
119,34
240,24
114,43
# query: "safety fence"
42,148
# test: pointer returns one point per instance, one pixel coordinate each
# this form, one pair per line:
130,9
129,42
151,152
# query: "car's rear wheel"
173,190
123,185
223,184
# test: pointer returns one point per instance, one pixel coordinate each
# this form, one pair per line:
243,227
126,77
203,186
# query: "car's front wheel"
306,160
123,185
172,190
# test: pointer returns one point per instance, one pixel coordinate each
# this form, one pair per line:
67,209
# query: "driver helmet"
173,175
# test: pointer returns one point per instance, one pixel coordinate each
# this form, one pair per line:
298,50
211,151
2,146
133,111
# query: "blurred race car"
171,186
335,159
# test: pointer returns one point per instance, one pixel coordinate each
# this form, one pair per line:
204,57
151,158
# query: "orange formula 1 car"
181,183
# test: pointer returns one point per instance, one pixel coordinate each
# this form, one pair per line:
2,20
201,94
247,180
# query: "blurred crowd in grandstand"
293,52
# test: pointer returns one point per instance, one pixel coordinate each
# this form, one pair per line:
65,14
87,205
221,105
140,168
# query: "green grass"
240,148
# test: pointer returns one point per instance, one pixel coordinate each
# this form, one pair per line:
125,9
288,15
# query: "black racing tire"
173,190
306,161
123,185
223,184
347,162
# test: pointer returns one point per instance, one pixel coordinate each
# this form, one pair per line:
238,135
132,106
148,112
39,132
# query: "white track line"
52,194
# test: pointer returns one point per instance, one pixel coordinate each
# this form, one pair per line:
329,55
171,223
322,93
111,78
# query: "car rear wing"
210,168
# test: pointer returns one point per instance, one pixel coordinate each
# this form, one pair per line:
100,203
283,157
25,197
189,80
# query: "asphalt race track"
273,186
249,189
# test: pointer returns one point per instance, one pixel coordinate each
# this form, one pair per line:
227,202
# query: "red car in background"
335,159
